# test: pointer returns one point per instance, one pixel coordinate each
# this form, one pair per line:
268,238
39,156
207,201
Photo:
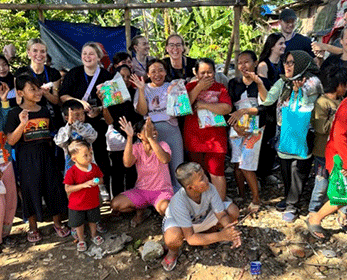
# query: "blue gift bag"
294,129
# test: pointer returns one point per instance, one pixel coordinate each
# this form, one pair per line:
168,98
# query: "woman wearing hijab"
295,94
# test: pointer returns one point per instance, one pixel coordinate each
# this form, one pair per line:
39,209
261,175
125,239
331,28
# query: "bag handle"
91,84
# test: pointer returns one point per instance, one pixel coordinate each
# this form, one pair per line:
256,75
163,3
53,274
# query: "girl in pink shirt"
153,185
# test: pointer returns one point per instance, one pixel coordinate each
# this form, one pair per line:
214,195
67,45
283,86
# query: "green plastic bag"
337,188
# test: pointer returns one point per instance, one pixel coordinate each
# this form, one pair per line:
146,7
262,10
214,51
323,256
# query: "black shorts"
77,218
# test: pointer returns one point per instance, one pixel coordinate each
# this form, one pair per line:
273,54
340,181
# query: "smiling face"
246,64
289,66
30,93
125,73
142,134
37,53
89,57
4,68
175,47
205,70
280,47
157,74
288,26
142,47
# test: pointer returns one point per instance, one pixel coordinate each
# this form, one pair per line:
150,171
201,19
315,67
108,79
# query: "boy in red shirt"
81,184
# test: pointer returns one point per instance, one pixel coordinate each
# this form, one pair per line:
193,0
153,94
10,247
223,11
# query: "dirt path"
286,251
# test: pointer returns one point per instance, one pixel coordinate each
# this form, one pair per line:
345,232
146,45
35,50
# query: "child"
153,185
245,147
195,208
8,192
75,128
28,128
81,184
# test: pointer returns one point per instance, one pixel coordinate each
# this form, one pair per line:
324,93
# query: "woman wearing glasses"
179,66
295,94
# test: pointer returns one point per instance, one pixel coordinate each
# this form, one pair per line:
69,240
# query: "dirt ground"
286,250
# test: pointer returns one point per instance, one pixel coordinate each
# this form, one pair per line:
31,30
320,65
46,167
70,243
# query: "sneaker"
289,217
281,206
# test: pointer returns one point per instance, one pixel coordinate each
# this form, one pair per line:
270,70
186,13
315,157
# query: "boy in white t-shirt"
194,209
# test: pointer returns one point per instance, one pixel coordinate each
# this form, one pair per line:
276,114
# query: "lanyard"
144,68
45,70
183,69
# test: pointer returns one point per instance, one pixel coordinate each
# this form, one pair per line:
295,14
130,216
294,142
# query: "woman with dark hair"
151,101
119,59
179,65
7,77
270,65
295,94
140,46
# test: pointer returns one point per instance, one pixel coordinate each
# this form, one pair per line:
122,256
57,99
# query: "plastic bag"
114,140
115,91
207,118
337,188
178,103
249,122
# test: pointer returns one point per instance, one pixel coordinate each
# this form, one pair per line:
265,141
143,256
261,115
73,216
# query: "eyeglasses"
172,45
289,63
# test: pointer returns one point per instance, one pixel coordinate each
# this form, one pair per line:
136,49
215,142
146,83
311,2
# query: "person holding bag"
296,93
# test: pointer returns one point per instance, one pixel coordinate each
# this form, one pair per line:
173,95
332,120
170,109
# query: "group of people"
281,109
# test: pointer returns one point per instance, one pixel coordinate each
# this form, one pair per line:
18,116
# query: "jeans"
319,193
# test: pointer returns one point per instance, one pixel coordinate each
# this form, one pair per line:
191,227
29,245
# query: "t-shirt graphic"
209,96
37,129
200,218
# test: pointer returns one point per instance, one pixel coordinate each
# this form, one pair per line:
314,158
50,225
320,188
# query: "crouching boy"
194,209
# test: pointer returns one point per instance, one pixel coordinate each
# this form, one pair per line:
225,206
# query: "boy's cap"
288,14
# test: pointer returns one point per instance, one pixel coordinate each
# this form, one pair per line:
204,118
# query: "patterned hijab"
304,67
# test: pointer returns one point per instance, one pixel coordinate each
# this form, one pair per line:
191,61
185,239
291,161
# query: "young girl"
207,146
153,185
28,130
244,92
150,100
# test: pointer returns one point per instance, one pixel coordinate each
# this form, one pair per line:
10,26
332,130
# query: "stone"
151,251
297,251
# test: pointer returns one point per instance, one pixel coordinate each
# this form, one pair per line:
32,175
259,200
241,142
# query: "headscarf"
304,67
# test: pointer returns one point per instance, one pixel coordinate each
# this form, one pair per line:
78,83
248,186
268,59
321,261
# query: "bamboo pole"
127,27
41,16
237,15
77,7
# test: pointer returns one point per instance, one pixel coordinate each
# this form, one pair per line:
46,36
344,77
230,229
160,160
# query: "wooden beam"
41,15
78,7
127,22
237,17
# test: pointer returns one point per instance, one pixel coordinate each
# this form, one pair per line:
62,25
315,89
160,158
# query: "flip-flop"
313,229
289,217
34,236
145,216
98,240
81,246
62,231
169,264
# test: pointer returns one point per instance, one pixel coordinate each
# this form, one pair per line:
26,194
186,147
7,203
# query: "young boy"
81,184
194,209
75,128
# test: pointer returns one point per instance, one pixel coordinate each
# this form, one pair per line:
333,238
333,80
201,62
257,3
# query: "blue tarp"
65,40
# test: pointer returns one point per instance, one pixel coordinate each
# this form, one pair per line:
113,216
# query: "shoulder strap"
91,84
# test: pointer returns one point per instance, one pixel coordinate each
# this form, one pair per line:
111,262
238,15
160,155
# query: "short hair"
34,41
332,77
138,127
155,60
96,47
76,145
175,35
206,60
185,171
250,53
72,104
135,42
2,57
120,56
22,80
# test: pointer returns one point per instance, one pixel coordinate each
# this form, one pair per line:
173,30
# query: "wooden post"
234,40
41,15
127,27
237,17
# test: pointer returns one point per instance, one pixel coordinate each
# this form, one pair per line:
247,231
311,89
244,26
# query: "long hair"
269,44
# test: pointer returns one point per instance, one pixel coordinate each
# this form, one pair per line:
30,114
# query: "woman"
207,146
270,65
80,84
299,82
140,46
150,101
7,78
179,66
120,58
37,53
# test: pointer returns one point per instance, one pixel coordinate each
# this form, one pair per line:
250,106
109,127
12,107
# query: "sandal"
62,231
81,246
34,236
98,240
314,229
145,216
253,208
74,234
169,264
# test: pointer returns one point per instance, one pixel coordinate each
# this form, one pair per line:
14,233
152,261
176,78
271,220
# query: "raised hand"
126,126
254,77
138,82
205,83
298,84
4,89
24,116
149,129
